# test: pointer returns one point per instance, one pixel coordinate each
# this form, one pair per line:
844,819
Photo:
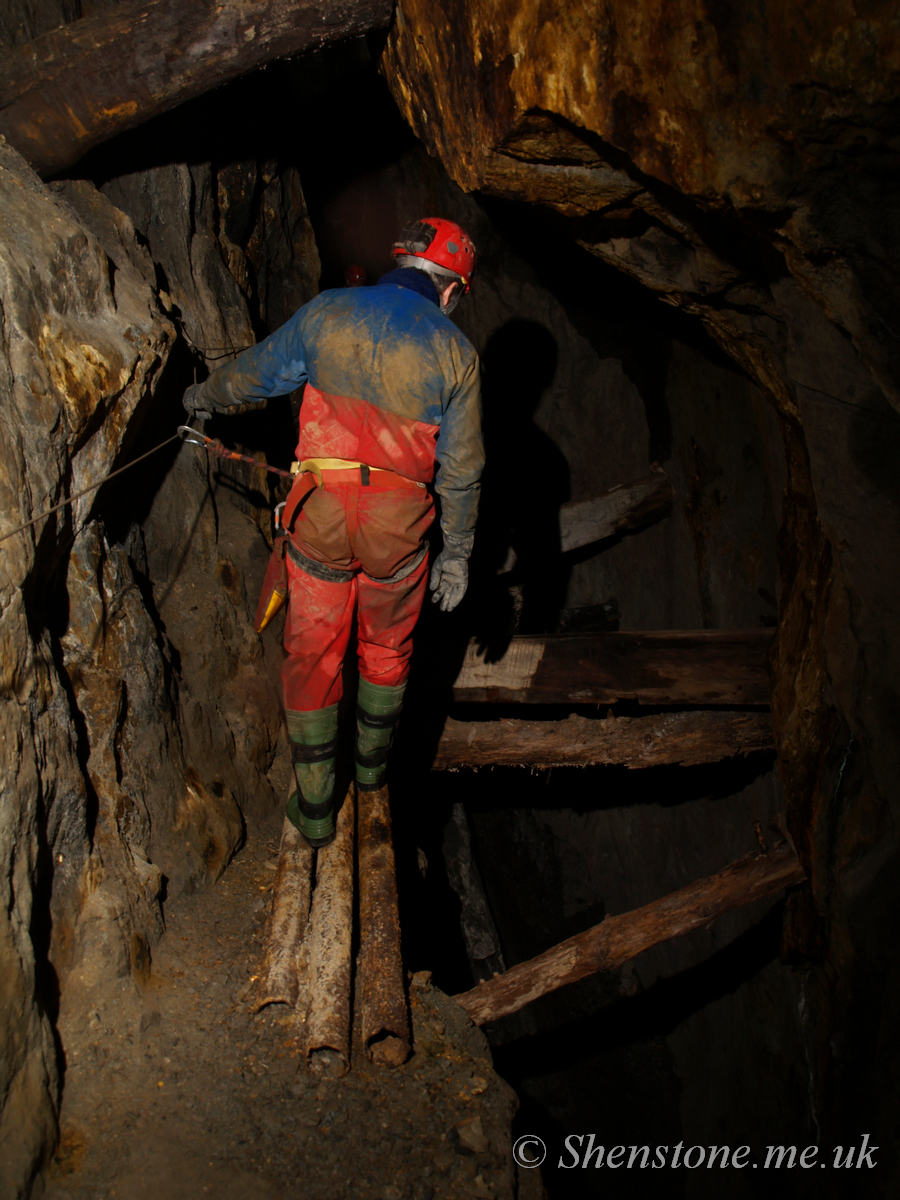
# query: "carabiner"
184,430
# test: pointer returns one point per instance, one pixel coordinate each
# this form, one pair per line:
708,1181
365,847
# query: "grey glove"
450,573
195,403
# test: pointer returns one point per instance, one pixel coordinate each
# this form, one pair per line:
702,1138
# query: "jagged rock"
121,778
172,207
691,151
82,344
206,557
282,248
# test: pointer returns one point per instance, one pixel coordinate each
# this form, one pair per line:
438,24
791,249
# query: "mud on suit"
392,388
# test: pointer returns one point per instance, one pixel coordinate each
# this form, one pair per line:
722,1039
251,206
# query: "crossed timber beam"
606,946
78,85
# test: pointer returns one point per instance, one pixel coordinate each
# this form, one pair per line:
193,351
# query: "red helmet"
446,248
355,275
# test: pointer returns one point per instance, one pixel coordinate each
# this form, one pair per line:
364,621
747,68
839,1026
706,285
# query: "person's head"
355,275
443,251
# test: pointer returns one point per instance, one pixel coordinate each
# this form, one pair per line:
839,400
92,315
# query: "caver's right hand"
194,403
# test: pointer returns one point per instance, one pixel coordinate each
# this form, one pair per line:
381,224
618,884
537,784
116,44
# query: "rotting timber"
307,963
659,667
676,668
282,977
613,942
330,932
671,738
385,1022
625,506
83,83
690,670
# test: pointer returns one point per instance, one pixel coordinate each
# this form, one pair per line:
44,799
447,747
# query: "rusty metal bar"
330,930
385,1019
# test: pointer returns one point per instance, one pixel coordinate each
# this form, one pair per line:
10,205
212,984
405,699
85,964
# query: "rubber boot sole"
314,832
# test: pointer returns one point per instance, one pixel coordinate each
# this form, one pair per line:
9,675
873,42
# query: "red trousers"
368,561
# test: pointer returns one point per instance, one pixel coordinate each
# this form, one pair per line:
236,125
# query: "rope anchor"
212,445
215,449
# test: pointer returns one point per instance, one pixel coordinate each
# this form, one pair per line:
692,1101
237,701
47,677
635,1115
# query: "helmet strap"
424,264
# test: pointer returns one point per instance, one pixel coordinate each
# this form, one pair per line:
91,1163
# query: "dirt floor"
174,1089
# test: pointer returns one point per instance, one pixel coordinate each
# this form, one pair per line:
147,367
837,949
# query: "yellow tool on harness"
275,585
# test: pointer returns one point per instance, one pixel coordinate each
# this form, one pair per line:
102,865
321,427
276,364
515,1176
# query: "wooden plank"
606,946
702,668
80,84
282,976
475,917
381,982
627,506
330,934
683,738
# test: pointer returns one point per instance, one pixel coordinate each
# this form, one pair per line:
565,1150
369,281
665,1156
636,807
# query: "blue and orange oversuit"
393,384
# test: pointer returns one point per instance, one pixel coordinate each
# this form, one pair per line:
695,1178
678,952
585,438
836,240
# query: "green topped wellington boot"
313,750
377,712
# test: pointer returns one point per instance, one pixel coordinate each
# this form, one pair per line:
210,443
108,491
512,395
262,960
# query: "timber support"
83,83
674,738
614,941
694,667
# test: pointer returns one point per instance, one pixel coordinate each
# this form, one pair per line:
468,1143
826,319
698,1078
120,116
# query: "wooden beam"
282,976
83,83
627,506
475,917
330,932
607,946
683,738
703,667
384,1019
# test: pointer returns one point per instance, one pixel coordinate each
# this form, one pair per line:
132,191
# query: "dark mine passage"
619,923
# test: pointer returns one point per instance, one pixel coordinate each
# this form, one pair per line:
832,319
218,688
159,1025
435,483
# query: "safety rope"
92,488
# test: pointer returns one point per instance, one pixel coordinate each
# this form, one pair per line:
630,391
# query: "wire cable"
890,417
92,488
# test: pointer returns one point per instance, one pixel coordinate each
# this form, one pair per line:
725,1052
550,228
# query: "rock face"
83,345
140,712
692,147
737,162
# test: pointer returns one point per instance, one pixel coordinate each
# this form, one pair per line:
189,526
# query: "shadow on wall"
526,480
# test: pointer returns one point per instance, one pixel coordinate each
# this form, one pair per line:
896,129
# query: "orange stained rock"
707,96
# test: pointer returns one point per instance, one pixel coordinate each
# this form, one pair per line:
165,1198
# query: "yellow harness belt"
315,466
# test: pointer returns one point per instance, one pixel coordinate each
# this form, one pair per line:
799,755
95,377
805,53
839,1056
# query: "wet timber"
664,739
